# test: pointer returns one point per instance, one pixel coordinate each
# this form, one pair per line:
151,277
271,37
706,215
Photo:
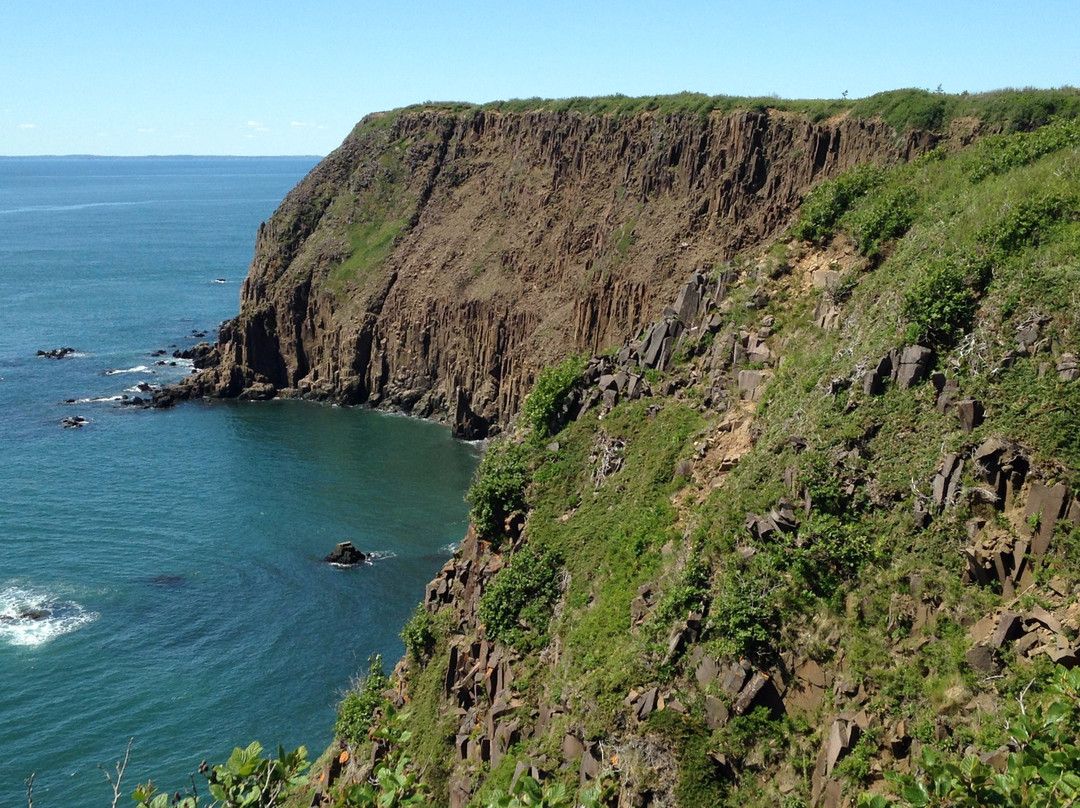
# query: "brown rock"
1009,628
1045,506
982,659
716,713
970,413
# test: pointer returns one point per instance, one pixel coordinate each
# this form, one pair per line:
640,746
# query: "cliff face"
438,259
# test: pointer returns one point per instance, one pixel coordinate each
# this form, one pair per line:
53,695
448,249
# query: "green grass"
1009,110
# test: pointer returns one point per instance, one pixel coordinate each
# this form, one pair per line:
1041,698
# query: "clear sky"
134,77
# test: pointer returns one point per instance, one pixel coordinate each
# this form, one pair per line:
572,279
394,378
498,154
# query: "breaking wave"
32,617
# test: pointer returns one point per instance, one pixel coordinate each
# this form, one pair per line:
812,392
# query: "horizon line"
154,156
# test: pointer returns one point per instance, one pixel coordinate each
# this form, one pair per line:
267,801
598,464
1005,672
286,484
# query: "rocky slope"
439,258
813,517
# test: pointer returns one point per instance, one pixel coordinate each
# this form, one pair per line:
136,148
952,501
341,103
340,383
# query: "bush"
543,408
939,304
744,616
418,634
822,208
357,710
834,552
516,606
888,217
245,780
498,489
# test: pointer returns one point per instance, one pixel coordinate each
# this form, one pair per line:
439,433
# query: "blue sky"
133,77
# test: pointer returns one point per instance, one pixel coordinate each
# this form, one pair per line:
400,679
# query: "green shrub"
889,216
939,304
997,154
516,605
498,489
745,616
833,551
1027,222
822,208
543,406
418,634
357,710
1045,769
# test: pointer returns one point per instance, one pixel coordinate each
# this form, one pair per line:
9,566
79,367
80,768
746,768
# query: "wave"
450,549
99,400
136,369
61,208
33,616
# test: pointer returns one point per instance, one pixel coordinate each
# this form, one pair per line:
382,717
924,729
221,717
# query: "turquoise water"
177,552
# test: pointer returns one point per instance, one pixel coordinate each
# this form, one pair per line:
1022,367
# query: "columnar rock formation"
439,258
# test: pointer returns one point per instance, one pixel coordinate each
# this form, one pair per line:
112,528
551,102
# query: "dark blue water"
177,553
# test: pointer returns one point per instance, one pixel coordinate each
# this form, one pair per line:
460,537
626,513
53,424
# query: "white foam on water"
97,400
21,621
136,369
450,549
379,555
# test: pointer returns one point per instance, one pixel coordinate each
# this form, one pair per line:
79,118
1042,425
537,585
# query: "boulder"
1067,368
970,413
915,361
345,555
983,659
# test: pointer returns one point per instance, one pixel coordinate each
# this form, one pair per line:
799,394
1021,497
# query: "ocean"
170,561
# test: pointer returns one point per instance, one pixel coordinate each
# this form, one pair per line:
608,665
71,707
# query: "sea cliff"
439,258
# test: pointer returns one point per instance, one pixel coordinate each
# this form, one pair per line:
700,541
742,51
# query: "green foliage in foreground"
245,780
1043,771
528,793
394,781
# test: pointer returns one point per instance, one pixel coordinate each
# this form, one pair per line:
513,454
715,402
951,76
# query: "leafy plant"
357,710
394,781
889,216
939,304
528,793
822,208
543,406
1044,770
418,634
515,606
498,489
245,780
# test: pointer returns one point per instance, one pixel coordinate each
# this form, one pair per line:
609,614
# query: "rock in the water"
74,422
56,353
345,555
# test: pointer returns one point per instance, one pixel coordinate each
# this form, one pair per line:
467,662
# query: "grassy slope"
1010,234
